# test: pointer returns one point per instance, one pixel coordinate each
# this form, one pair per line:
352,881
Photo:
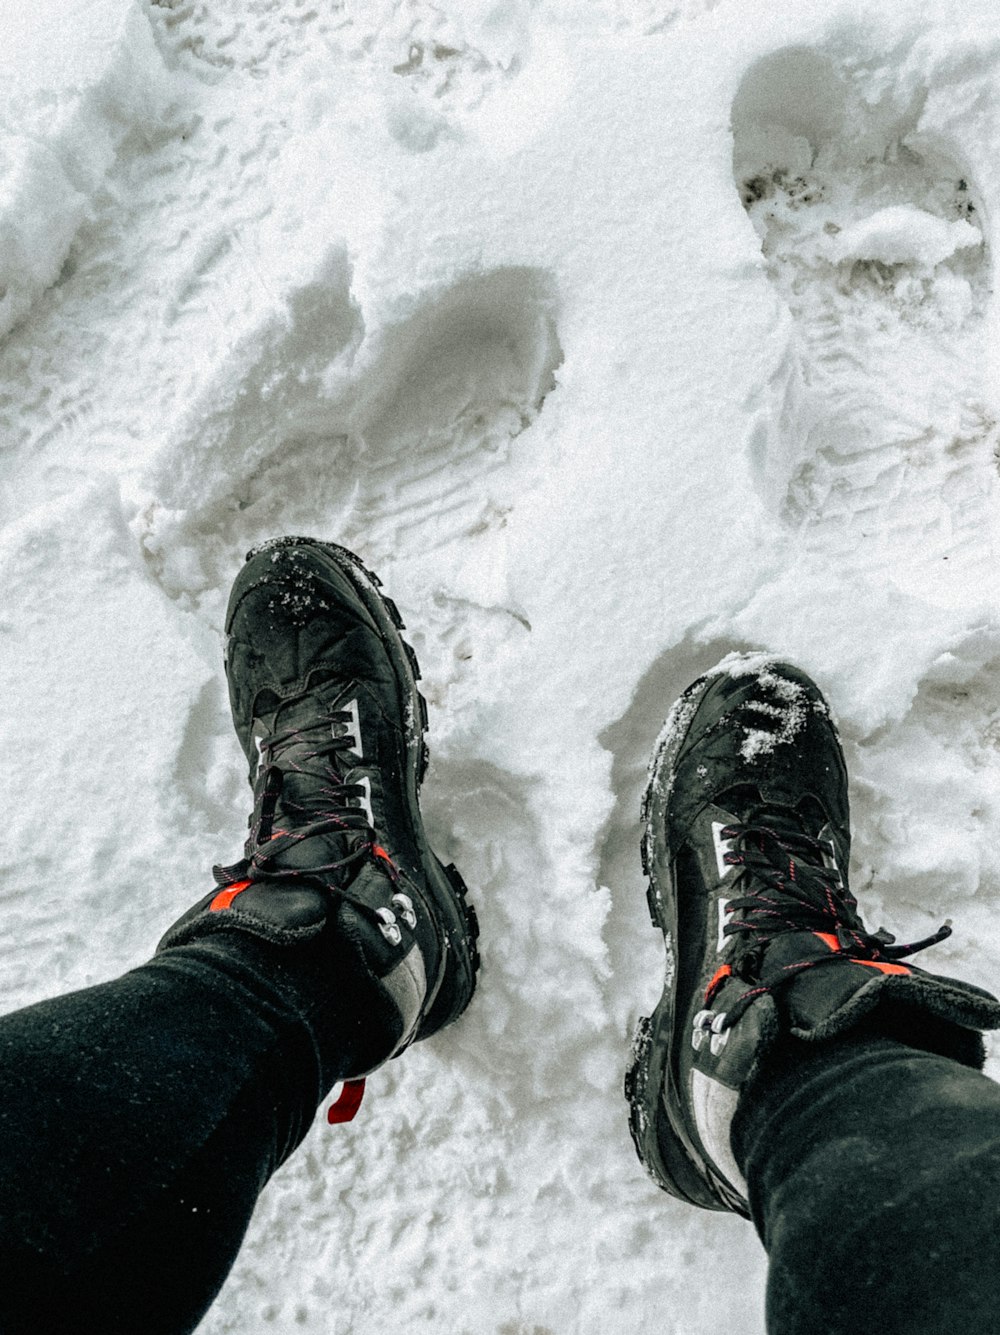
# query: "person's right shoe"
326,706
746,848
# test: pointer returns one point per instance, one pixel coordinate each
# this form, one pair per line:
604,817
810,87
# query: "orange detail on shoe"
225,897
344,1108
380,852
721,974
830,940
883,966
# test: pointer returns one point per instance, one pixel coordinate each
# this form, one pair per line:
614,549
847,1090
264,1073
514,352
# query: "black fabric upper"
738,755
747,848
300,647
326,706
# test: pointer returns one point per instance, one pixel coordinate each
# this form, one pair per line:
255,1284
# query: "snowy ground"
615,334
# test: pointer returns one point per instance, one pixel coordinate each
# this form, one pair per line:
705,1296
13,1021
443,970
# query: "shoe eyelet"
388,926
719,1041
700,1029
404,905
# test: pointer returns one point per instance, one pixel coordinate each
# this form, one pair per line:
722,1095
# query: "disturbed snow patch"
902,234
882,454
69,100
394,437
333,308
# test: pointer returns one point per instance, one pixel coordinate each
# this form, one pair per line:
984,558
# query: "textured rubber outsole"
455,914
659,1151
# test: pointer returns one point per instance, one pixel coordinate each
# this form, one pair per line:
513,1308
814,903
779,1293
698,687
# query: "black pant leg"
139,1120
874,1183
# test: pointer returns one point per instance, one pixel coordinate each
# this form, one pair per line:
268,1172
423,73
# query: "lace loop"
301,776
789,882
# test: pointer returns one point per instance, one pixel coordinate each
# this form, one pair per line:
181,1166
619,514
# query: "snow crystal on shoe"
761,742
790,716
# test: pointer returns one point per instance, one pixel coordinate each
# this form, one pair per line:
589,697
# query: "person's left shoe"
326,706
746,847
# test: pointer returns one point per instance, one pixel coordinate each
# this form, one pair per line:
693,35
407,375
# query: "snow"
72,92
901,234
616,337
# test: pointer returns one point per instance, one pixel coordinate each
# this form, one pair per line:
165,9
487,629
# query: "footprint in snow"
392,440
885,454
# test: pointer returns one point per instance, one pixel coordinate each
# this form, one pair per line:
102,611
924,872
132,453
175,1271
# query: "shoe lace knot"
789,881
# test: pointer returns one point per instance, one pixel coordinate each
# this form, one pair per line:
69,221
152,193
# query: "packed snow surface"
615,337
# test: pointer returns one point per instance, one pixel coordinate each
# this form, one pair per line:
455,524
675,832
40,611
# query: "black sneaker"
325,703
746,848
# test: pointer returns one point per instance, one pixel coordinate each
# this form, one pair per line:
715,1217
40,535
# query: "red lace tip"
344,1108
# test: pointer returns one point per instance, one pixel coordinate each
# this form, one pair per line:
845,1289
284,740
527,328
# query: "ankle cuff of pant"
316,984
925,1031
790,1062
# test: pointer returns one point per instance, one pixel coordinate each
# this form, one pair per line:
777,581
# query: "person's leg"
139,1119
874,1180
796,1070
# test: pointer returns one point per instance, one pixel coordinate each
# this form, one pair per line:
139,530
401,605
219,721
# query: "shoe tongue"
305,800
785,822
304,793
309,856
782,825
307,711
792,948
309,781
307,708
